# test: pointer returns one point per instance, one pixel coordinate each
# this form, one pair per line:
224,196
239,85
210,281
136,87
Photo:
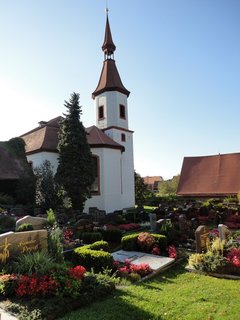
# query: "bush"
7,223
129,243
160,240
55,246
93,256
99,245
25,227
145,241
6,199
33,263
90,237
114,235
51,218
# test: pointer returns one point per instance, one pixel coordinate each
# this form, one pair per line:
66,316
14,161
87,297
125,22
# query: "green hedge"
114,235
129,242
93,256
90,237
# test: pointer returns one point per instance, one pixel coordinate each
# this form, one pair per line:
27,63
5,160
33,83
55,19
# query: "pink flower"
172,252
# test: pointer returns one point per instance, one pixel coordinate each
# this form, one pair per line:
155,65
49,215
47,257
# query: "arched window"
95,188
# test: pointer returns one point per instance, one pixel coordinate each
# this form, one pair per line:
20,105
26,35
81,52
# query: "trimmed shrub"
98,245
90,237
161,240
25,227
93,256
114,235
129,243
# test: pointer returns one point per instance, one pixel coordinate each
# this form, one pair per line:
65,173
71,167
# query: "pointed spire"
109,79
108,46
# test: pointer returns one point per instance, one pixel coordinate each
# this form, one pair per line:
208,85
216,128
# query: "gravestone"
94,212
202,238
153,221
184,227
38,223
16,243
223,232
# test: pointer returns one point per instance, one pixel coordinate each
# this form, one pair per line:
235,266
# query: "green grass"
175,294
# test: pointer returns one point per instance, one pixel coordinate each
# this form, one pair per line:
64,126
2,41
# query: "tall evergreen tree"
75,169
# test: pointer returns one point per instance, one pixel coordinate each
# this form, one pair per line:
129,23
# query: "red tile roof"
109,80
216,175
45,138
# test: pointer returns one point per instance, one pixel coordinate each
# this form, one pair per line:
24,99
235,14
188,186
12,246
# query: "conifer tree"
75,169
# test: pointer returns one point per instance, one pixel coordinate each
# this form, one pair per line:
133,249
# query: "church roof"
108,46
110,79
216,175
98,139
45,138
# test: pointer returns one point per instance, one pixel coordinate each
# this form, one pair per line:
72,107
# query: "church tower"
112,115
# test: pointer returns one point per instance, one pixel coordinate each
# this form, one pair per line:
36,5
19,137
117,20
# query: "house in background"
153,182
210,176
110,139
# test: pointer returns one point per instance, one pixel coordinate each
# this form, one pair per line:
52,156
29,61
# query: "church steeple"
108,46
110,79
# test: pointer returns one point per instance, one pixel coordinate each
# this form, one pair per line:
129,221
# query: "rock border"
213,274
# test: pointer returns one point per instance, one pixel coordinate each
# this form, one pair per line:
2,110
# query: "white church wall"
110,198
38,158
111,115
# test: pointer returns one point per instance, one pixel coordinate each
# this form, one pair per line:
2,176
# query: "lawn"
175,294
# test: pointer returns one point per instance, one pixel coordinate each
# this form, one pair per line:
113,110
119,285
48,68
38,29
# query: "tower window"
122,111
123,137
100,112
95,187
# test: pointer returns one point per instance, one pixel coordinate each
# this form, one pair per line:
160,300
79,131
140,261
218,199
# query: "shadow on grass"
119,306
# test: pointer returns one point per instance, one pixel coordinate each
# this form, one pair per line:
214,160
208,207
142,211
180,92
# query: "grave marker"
202,238
223,232
16,243
38,223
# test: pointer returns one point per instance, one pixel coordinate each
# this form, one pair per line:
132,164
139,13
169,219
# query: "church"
110,139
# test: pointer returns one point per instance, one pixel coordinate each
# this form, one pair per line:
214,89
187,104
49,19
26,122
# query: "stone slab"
15,243
6,316
37,222
155,262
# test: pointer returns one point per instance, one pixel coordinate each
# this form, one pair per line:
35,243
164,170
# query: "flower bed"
221,257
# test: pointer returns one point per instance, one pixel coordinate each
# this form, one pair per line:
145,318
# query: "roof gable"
45,138
217,175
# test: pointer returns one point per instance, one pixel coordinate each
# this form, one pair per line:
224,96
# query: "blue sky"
179,58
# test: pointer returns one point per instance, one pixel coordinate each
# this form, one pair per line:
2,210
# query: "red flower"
233,256
77,272
172,252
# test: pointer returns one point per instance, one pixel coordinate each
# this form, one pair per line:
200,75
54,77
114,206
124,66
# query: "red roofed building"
210,176
110,139
153,182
